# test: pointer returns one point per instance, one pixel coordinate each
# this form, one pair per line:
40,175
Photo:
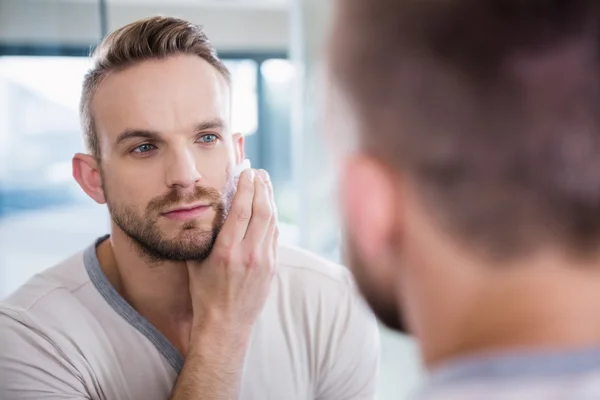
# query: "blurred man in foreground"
471,188
190,297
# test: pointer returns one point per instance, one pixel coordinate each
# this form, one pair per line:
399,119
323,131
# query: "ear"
238,147
369,205
86,172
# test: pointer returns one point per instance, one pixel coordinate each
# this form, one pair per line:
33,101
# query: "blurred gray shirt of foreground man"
471,186
190,296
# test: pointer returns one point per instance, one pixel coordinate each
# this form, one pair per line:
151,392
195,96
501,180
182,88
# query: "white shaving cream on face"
238,169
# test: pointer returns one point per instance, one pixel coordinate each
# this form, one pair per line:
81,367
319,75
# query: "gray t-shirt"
67,334
566,375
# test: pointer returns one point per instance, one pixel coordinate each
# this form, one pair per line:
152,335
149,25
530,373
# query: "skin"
419,277
164,132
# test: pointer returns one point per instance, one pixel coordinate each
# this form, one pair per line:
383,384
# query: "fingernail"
249,174
264,175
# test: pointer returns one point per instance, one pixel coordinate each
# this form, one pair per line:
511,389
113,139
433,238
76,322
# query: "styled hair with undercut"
152,38
492,107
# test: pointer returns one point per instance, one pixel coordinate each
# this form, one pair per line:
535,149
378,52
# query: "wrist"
218,336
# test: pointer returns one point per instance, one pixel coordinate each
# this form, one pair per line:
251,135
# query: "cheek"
367,206
215,168
130,186
371,276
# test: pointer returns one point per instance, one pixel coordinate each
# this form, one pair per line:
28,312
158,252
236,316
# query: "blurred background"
274,49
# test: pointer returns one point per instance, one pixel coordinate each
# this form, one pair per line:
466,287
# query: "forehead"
162,95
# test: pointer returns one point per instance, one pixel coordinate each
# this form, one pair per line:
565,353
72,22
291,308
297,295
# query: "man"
472,192
190,297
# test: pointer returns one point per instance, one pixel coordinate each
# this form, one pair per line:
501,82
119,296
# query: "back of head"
490,105
152,38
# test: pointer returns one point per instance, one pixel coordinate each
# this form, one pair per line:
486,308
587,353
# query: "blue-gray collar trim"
118,303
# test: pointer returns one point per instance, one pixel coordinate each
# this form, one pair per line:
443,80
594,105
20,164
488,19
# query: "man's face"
167,152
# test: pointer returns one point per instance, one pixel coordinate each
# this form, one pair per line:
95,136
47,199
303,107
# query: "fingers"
235,226
261,213
252,219
271,238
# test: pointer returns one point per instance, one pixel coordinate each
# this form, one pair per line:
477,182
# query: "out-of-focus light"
57,79
277,70
59,173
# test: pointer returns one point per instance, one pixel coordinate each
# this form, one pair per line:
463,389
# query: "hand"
230,287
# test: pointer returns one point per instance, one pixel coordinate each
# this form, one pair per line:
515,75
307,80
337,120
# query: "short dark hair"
147,39
492,106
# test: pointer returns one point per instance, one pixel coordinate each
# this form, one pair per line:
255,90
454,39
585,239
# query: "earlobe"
87,173
369,205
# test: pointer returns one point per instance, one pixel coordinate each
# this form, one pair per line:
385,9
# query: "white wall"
77,22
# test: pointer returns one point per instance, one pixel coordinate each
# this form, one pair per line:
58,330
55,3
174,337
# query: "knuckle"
263,214
253,258
226,254
243,214
263,211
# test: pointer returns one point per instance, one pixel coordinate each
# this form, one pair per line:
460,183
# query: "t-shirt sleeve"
31,366
351,365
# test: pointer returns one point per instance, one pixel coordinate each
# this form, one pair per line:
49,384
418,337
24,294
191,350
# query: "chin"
191,231
186,233
196,224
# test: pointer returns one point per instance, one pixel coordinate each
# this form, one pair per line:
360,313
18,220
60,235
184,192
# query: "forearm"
213,365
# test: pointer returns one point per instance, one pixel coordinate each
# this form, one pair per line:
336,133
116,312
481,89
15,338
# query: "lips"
187,212
186,208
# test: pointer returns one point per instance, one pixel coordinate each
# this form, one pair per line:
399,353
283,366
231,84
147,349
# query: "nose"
182,171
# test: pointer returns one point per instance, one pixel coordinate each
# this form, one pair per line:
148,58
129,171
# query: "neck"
158,291
544,305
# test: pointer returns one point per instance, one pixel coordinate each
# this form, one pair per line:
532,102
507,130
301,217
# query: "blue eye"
209,138
144,148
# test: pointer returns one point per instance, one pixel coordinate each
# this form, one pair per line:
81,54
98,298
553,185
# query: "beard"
191,243
378,292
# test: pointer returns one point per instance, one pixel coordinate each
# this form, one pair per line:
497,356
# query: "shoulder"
51,286
34,349
319,285
50,303
323,292
305,267
342,330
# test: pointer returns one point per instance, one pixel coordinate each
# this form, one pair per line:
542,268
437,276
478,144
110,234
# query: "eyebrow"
137,134
216,123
